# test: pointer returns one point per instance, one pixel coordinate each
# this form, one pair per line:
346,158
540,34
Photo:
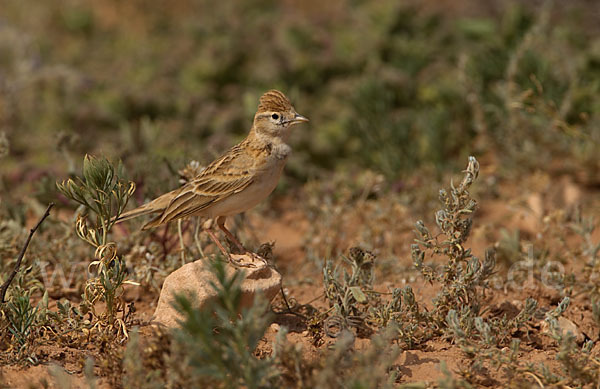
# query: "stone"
566,325
194,280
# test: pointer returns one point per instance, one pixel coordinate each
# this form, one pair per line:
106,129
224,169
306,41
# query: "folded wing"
224,177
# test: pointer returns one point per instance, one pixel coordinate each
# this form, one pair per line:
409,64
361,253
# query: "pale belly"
260,189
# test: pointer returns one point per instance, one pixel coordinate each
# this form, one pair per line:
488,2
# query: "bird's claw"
240,263
256,257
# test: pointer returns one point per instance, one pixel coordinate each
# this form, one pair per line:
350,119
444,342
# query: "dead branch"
6,284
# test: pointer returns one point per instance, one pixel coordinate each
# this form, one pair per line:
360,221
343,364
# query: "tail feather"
157,205
140,211
153,223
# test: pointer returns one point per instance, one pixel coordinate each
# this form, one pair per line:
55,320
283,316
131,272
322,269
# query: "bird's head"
276,115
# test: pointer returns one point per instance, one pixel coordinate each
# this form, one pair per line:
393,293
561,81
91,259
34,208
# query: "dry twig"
6,284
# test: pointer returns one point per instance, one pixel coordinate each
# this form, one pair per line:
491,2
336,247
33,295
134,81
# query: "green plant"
344,367
341,366
222,342
349,293
70,323
23,324
463,273
461,278
578,364
402,312
104,192
21,316
486,340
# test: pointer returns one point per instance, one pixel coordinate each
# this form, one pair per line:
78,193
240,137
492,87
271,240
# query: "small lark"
238,180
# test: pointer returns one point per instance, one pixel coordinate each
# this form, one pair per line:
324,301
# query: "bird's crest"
274,101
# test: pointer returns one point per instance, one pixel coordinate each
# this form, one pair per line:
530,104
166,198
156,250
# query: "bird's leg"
197,236
219,245
236,242
221,224
225,252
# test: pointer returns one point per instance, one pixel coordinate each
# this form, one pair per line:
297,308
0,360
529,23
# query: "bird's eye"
275,116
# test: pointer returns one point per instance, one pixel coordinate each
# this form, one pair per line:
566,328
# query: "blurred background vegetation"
392,86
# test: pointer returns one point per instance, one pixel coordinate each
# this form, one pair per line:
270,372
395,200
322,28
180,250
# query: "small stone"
194,280
566,325
536,205
572,194
518,304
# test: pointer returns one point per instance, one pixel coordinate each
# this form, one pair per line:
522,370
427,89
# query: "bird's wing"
229,174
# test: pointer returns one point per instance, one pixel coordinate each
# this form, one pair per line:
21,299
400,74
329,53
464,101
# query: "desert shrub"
103,193
487,341
349,293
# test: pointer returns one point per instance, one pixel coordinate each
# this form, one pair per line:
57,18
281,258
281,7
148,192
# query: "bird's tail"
145,209
157,205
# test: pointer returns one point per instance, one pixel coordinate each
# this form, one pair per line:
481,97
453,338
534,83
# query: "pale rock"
571,194
194,280
535,202
566,325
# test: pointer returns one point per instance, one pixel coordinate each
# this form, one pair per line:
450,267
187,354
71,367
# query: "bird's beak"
299,119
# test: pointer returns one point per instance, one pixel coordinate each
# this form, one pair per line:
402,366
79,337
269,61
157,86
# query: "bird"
236,181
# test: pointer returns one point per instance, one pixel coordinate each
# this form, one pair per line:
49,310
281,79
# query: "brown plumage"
274,101
240,178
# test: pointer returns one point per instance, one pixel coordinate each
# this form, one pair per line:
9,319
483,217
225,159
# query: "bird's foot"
241,261
255,257
248,260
